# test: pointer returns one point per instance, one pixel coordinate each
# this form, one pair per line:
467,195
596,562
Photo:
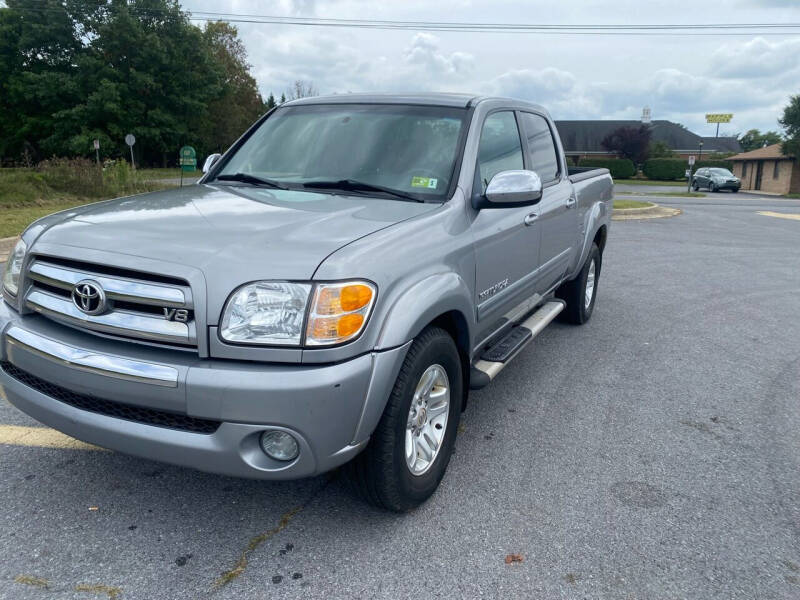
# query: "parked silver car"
327,294
715,179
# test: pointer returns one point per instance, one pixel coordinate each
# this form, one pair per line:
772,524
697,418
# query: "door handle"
570,202
531,219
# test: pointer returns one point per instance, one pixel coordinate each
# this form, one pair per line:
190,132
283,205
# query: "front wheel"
712,187
695,187
581,292
408,453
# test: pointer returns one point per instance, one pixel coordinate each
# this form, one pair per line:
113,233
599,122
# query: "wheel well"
600,238
454,323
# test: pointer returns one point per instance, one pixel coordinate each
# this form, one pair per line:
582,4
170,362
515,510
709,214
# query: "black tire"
695,187
380,473
734,190
712,187
574,292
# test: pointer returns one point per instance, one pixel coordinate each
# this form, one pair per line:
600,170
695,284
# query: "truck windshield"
409,151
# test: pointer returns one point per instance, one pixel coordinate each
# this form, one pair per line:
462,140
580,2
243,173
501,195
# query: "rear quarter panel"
594,192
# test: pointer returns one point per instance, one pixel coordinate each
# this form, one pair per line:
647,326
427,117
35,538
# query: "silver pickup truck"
327,294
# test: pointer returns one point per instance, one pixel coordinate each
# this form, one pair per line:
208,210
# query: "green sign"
188,158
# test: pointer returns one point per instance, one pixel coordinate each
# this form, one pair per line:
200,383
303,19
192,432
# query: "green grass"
683,194
792,196
631,204
28,194
13,221
152,174
650,182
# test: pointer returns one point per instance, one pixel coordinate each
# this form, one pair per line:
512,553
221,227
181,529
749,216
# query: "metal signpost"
97,150
187,160
689,172
131,140
718,118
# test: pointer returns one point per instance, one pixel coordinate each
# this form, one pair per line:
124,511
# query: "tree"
72,71
270,102
790,121
283,99
659,149
302,89
629,142
239,103
39,50
754,139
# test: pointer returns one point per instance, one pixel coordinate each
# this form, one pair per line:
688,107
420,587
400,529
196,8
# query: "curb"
654,211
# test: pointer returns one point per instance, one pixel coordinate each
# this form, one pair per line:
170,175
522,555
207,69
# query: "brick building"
768,170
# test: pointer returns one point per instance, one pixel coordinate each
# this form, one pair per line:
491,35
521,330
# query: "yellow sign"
718,117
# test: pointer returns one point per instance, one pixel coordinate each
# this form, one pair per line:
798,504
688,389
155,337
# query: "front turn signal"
339,312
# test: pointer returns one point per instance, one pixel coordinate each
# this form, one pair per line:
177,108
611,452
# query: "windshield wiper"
253,179
353,185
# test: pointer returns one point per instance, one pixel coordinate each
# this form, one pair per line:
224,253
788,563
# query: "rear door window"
541,147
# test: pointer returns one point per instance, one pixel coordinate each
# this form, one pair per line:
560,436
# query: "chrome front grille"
137,305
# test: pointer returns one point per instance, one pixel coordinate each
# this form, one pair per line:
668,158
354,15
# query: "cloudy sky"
576,77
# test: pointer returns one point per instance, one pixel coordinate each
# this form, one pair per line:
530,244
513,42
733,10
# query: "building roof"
721,144
586,136
773,151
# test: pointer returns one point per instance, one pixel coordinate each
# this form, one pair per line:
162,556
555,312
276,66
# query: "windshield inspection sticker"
424,182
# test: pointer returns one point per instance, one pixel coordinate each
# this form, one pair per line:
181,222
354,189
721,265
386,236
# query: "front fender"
422,303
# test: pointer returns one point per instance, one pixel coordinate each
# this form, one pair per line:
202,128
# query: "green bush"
665,168
620,168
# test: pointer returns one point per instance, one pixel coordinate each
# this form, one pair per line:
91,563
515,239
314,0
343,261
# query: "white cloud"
425,53
680,78
756,59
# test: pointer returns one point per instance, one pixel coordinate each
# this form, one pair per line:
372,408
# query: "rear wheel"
712,187
695,187
408,453
580,293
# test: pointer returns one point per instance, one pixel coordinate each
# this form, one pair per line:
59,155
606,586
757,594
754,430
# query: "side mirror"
512,188
210,160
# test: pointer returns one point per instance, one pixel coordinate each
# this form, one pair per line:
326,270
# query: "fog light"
279,445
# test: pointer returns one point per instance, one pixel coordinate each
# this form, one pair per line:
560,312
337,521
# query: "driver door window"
500,148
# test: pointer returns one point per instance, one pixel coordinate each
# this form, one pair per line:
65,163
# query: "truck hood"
230,233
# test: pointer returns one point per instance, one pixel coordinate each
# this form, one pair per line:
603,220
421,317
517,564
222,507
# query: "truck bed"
577,174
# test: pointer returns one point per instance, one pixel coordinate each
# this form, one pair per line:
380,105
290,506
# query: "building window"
744,169
776,171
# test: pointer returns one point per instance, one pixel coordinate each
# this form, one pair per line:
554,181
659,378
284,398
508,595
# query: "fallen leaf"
513,558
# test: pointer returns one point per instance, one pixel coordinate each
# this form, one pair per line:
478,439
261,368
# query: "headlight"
274,313
14,268
339,312
266,312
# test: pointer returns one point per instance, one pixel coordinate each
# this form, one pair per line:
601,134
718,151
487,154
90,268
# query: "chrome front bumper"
330,409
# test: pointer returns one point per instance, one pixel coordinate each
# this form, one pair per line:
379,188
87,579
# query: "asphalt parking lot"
652,453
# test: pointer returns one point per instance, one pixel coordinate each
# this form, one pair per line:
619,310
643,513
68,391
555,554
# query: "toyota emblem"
89,297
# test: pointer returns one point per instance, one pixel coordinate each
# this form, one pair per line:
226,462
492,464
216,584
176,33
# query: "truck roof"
427,99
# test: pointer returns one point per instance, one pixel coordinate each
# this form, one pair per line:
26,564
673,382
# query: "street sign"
131,140
687,173
188,158
96,144
718,117
691,160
